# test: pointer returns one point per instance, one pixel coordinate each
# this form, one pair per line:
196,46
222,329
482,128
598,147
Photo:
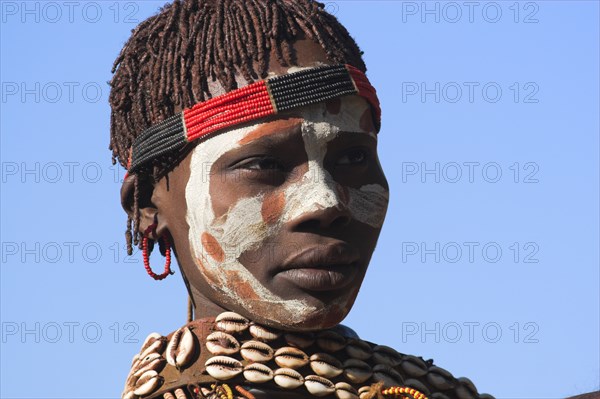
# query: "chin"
319,318
327,319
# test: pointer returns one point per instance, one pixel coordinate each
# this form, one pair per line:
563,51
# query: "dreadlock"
166,64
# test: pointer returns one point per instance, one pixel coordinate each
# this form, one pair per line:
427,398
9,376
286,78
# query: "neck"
203,307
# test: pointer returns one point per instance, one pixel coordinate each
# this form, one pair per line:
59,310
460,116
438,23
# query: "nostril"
332,217
310,224
341,221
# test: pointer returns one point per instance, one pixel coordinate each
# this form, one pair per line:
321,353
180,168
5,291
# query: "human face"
283,215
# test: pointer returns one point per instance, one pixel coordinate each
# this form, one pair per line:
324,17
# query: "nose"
324,218
321,203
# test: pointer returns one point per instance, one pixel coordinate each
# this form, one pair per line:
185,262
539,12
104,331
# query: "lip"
322,267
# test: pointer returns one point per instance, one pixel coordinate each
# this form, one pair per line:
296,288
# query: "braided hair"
166,64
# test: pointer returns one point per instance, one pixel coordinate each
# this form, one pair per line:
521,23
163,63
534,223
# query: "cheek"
243,287
223,193
205,271
212,247
368,204
343,193
272,207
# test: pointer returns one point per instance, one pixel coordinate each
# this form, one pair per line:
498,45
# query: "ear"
148,211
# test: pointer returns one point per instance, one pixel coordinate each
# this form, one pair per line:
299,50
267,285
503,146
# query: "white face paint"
218,243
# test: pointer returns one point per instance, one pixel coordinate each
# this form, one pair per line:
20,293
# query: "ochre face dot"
272,207
366,121
212,247
242,287
269,129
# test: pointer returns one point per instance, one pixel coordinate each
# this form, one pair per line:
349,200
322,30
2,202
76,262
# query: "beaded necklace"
212,358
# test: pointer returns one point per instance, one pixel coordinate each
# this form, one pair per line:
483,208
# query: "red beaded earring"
146,253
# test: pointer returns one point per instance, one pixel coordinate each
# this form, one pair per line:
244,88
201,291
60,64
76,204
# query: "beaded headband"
257,100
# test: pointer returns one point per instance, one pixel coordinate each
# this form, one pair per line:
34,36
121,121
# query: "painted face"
284,215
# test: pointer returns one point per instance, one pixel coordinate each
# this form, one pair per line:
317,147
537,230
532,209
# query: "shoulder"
590,395
330,362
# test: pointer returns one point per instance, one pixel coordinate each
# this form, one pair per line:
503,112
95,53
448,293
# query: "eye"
355,156
261,163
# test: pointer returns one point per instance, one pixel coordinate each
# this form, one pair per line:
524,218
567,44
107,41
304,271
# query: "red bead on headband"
257,100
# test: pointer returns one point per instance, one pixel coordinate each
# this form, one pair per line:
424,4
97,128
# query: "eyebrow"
272,132
370,134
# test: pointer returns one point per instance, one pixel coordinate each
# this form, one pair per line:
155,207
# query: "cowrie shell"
155,364
223,367
231,322
220,343
256,351
363,392
416,384
258,372
318,386
288,378
330,341
413,366
441,371
155,346
385,355
153,343
387,375
141,367
325,365
440,378
128,395
149,339
135,359
358,349
150,357
180,394
467,383
463,392
181,348
263,333
300,340
416,360
357,371
147,383
343,390
290,357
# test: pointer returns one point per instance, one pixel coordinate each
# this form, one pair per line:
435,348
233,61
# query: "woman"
249,132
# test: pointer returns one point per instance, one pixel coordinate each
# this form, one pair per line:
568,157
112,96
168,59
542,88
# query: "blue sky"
488,260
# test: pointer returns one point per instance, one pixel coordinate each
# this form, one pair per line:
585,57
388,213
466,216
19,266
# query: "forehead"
350,114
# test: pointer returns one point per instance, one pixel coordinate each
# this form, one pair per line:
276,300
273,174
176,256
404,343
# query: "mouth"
322,267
